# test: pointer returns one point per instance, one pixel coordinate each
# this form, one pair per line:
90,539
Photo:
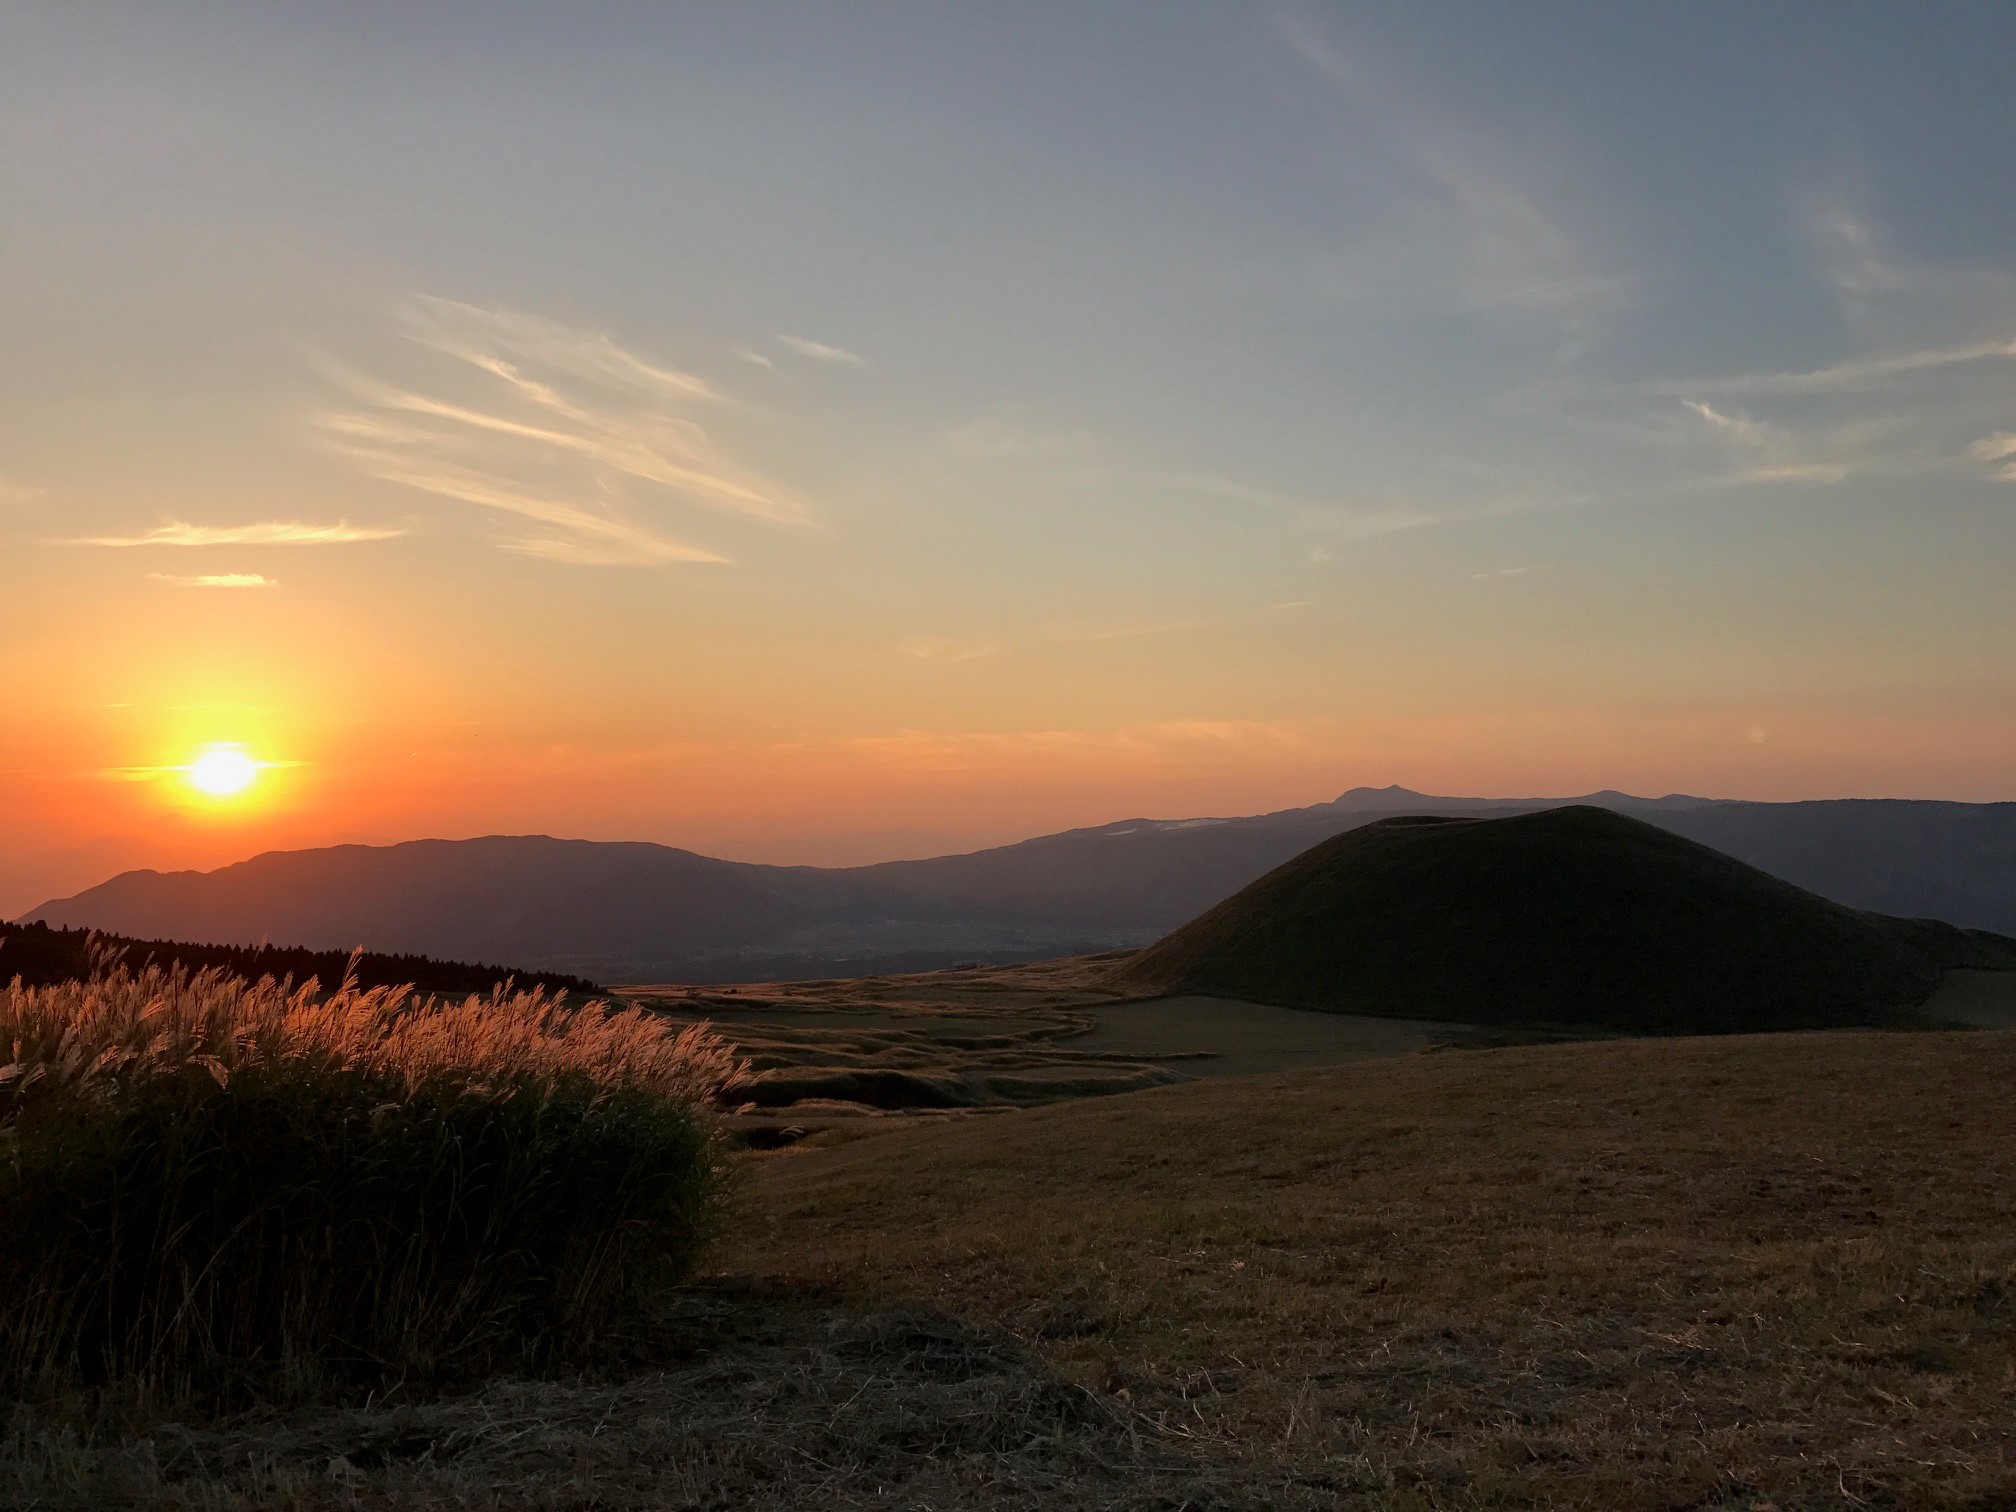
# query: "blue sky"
1509,395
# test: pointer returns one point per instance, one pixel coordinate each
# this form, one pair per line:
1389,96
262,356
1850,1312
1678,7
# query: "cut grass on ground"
1710,1273
1722,1275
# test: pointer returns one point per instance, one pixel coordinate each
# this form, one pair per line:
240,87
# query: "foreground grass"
753,1400
218,1191
1760,1272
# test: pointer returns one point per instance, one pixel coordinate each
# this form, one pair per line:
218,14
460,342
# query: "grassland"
1737,1274
1759,1272
825,1055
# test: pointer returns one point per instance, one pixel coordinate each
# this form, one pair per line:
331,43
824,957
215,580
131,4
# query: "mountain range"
632,911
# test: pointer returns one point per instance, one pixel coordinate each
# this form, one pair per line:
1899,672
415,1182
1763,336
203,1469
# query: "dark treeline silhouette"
40,955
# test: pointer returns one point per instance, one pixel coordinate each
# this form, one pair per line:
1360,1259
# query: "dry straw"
218,1186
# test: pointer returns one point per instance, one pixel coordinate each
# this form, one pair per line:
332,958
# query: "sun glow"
222,771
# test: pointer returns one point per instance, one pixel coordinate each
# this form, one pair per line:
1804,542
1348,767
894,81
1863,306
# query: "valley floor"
828,1054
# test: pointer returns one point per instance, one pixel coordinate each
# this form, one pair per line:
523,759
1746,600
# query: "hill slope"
577,905
1573,915
633,911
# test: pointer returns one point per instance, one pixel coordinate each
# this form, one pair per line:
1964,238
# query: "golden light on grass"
223,771
205,1173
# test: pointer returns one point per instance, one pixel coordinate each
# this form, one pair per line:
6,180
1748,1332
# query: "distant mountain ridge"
1400,800
634,911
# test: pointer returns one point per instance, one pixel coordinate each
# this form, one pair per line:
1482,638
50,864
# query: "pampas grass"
214,1188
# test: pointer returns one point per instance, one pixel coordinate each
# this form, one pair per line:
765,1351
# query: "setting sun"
223,771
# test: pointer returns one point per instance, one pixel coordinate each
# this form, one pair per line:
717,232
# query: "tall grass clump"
212,1188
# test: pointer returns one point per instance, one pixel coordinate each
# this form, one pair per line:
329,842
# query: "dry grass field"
1739,1274
825,1055
1744,1273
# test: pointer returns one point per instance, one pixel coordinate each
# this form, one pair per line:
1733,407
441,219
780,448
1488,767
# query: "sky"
823,433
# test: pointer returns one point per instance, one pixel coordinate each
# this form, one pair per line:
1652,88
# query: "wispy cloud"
1850,256
1506,572
1994,449
18,493
264,533
1797,472
1890,297
1858,372
1769,454
1476,228
1913,319
215,580
1337,520
940,649
819,351
485,337
580,537
554,425
177,769
1935,341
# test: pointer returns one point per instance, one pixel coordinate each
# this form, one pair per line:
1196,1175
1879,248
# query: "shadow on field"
754,1399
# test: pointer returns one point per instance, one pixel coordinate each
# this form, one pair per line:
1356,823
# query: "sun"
223,771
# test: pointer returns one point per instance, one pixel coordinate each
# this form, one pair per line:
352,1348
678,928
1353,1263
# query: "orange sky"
888,433
834,760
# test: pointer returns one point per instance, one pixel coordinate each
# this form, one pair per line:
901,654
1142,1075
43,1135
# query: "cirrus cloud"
215,580
261,533
579,438
820,351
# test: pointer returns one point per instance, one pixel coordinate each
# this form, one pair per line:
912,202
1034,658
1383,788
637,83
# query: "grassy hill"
1571,915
